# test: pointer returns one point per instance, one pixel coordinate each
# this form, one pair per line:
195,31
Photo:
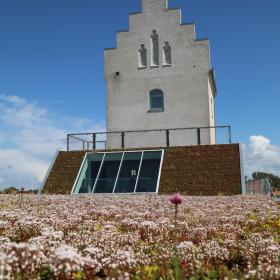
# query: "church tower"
159,76
160,118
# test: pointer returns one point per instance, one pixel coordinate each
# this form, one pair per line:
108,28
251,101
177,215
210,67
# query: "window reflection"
149,173
128,174
121,172
108,174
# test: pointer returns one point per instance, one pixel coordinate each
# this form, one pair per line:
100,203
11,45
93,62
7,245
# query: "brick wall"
201,170
64,172
193,170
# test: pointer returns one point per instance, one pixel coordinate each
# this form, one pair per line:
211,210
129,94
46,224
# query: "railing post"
93,141
198,136
122,140
68,148
167,137
229,134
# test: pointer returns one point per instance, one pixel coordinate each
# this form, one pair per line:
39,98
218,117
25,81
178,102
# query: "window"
155,49
142,57
166,54
92,165
156,100
108,174
128,173
148,177
119,172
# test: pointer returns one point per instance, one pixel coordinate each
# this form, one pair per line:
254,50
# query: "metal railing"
166,137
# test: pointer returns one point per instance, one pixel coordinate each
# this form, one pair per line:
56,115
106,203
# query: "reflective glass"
128,173
149,172
108,174
94,162
156,100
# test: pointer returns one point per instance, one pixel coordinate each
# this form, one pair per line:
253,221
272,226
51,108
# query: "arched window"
155,49
142,57
156,100
167,54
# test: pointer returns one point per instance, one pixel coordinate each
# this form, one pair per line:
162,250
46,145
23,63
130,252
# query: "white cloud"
20,168
16,100
261,156
29,137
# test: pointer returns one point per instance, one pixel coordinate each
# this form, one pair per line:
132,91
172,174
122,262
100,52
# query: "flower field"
138,237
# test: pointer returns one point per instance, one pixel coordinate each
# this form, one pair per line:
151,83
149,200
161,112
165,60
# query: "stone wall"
192,170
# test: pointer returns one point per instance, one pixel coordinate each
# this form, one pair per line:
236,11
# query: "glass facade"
148,176
108,175
121,172
129,172
92,172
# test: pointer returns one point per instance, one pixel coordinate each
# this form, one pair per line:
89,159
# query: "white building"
159,77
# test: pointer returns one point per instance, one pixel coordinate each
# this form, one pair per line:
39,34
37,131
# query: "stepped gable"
159,75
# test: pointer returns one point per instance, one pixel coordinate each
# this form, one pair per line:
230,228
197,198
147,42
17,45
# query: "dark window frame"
156,93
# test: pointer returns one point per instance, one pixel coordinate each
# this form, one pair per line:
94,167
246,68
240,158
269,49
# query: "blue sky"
51,74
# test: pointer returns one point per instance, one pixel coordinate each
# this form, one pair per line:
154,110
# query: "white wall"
184,83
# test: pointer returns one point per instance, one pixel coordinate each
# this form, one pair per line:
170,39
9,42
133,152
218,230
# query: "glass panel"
157,102
149,172
108,174
81,177
94,162
128,173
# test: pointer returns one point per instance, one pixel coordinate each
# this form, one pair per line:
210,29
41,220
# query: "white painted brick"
185,84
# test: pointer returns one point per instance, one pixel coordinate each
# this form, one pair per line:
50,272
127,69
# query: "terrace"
168,137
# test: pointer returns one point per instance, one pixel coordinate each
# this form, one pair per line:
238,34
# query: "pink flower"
82,218
176,199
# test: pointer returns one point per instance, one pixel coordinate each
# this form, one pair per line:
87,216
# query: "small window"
156,100
142,57
155,49
167,54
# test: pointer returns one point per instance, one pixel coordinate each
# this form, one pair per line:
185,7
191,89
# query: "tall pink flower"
176,199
